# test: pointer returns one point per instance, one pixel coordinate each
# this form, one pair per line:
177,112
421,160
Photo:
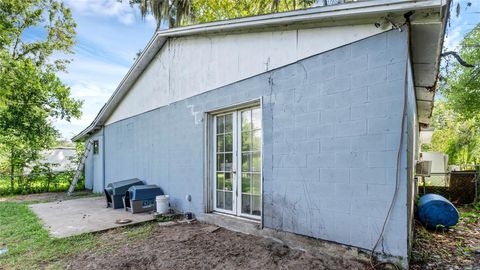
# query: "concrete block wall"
331,126
335,142
94,165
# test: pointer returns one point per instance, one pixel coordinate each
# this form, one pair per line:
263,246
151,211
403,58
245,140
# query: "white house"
304,122
59,159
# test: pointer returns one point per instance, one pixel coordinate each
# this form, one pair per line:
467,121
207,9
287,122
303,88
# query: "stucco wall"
217,60
331,127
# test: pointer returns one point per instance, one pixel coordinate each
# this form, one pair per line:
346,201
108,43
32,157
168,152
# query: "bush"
39,182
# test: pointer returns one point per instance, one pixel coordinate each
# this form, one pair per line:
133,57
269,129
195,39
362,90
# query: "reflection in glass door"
251,162
238,166
224,162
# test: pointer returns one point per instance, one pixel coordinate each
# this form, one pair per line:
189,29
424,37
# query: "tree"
457,137
175,12
207,11
48,18
31,93
462,84
182,12
456,118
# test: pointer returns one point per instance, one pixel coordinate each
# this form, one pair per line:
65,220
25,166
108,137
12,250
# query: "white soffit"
427,34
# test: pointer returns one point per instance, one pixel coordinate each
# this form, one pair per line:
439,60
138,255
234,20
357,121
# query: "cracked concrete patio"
73,217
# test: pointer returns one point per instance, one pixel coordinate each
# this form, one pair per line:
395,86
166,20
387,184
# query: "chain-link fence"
38,182
460,187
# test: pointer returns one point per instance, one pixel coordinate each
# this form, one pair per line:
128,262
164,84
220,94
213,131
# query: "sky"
459,26
110,33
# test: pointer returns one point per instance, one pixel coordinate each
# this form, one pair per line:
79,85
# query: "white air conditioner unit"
423,168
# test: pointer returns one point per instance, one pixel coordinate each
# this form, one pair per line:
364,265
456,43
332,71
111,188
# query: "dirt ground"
195,246
457,248
185,246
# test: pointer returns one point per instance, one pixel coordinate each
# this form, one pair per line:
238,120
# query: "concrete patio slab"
72,217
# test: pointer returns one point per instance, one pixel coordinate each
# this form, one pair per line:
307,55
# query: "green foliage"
38,182
456,119
463,84
175,13
28,242
31,94
184,12
49,18
207,11
165,218
471,214
30,246
454,135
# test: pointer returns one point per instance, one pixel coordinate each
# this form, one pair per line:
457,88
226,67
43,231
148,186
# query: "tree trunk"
12,171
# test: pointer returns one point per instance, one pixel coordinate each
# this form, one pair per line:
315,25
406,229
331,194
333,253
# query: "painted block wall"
94,166
88,169
331,127
221,59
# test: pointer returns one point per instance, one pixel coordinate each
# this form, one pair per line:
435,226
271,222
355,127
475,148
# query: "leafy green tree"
207,11
183,12
48,18
456,118
31,93
462,88
175,13
454,135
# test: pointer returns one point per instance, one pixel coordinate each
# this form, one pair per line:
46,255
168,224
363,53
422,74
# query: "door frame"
210,158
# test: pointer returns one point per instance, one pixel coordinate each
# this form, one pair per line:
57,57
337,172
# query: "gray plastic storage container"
115,191
141,198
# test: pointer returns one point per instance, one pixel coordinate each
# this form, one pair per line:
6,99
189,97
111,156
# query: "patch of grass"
471,214
30,246
166,218
140,232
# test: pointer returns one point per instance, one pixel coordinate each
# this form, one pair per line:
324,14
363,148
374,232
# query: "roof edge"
157,41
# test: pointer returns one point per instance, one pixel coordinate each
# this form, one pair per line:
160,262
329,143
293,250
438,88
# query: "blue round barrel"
434,210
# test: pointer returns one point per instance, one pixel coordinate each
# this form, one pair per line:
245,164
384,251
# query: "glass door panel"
224,198
251,162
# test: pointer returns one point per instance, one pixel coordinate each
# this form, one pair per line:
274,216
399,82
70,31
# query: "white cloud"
151,20
75,126
109,33
453,39
122,11
93,82
94,96
84,89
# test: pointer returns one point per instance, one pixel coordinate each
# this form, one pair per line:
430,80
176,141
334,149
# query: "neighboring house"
292,119
60,159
